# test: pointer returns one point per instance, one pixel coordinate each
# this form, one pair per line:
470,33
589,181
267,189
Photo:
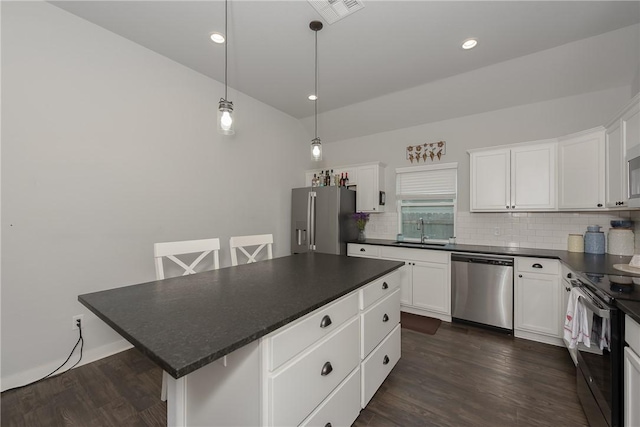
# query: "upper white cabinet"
581,170
369,190
368,181
516,178
622,141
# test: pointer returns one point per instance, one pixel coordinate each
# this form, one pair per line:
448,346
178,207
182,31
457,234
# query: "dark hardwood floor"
461,376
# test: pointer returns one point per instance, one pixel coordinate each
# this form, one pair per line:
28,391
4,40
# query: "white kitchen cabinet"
425,279
616,167
622,143
581,170
537,300
632,373
515,178
369,187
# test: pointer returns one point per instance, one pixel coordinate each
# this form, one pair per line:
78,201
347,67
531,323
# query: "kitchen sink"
419,245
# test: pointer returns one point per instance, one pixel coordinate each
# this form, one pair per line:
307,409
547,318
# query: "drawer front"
298,388
292,340
425,255
378,321
380,288
341,408
368,251
632,333
380,362
537,265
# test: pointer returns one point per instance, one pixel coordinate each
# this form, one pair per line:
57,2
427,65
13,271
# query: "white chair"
169,250
241,242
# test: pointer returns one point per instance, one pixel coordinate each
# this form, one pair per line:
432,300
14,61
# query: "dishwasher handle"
479,259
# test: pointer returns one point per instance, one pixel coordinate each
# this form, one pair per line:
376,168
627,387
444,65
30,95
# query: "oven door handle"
591,306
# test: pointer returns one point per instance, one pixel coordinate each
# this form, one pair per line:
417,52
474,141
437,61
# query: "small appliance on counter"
621,240
594,240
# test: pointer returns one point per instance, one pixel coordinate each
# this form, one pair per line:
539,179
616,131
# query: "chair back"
242,242
169,250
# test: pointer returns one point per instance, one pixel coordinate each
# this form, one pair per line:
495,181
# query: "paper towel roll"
575,243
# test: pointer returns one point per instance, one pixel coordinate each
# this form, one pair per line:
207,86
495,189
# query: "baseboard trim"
90,356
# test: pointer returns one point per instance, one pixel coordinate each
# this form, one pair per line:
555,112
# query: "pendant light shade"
316,145
225,108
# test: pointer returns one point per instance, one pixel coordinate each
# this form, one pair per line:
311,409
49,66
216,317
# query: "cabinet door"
631,388
432,287
368,189
537,303
631,129
581,172
616,167
406,291
490,180
533,171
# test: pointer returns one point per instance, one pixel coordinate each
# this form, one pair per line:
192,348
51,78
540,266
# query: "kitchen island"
228,316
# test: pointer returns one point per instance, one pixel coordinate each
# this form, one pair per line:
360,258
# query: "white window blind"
422,182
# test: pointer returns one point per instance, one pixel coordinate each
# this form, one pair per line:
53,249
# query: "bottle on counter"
342,179
327,179
314,181
321,179
346,179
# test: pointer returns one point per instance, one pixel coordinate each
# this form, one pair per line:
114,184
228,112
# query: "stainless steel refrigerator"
321,219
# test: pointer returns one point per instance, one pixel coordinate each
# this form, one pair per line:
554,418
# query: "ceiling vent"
334,10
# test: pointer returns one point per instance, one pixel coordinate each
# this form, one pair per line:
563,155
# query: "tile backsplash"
544,230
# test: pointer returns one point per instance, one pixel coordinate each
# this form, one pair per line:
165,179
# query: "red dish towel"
576,322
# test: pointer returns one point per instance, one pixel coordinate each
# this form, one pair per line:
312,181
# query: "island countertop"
186,322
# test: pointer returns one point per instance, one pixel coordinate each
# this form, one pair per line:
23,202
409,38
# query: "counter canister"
594,240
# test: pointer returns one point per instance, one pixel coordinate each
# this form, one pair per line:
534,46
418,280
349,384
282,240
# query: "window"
427,202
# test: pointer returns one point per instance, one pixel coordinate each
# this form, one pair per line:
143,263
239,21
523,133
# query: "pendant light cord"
226,43
315,103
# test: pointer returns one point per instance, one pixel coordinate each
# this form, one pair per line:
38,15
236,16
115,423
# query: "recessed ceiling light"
312,97
217,37
469,44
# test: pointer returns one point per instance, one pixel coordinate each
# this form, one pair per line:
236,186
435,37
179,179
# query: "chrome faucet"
420,227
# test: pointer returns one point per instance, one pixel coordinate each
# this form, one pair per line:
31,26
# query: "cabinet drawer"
632,333
425,255
377,366
369,251
292,340
299,387
537,265
341,408
379,288
378,321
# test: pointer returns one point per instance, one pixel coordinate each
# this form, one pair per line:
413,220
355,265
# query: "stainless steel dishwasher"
482,289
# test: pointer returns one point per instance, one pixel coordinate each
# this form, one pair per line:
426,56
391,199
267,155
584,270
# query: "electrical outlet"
496,231
75,319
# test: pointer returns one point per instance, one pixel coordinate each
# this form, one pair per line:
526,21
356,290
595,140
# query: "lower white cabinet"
425,280
299,387
632,373
379,364
537,300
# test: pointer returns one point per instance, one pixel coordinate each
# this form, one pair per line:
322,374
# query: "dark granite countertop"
632,308
578,262
186,322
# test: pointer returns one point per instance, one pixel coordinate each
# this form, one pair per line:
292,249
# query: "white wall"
107,148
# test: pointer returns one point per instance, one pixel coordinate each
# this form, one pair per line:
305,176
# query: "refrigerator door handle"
311,220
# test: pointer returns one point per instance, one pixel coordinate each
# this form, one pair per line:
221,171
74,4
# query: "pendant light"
316,145
225,109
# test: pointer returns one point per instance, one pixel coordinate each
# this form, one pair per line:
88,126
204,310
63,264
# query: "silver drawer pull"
536,265
385,361
327,425
385,285
385,318
362,250
326,369
325,322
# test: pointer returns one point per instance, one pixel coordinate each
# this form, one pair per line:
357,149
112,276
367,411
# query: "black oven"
599,372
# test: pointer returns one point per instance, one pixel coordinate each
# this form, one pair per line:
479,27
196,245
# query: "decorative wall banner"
428,150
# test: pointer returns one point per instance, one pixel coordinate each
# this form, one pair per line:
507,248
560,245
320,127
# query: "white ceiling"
387,47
